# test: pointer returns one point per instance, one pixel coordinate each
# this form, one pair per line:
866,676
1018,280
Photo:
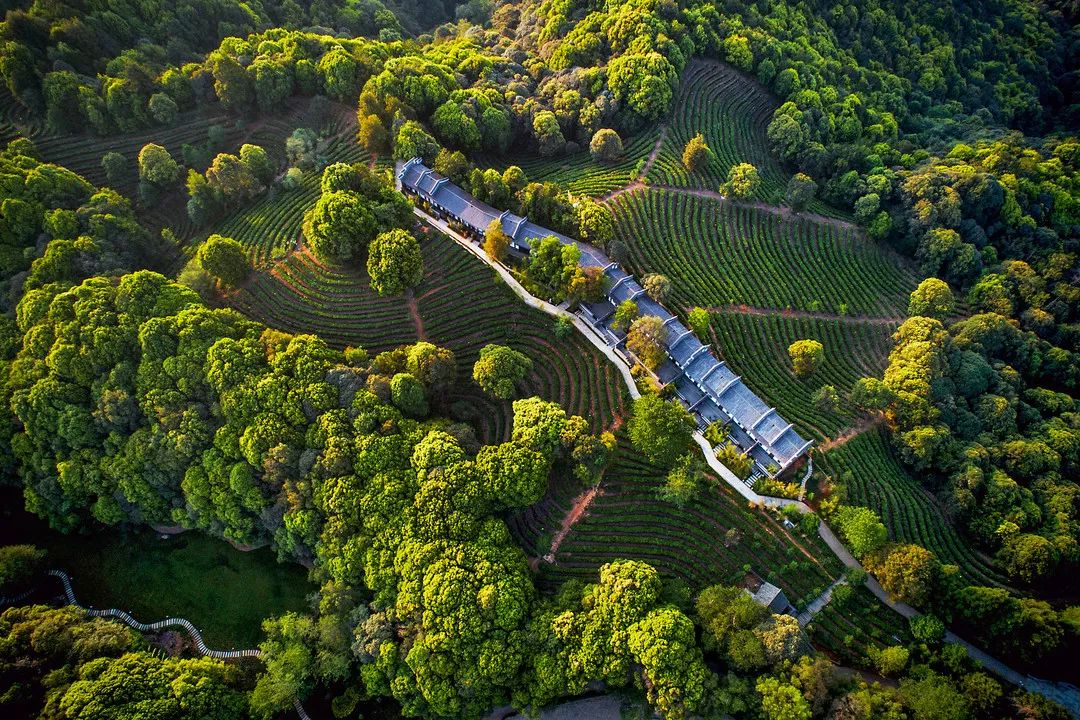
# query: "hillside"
723,358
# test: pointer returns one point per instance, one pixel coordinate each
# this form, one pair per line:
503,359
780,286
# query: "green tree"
625,314
156,166
258,162
407,394
826,398
372,134
684,481
163,108
806,357
907,572
126,687
928,629
1028,557
933,697
18,565
661,430
742,181
862,529
394,262
232,178
606,145
413,141
657,286
549,137
647,338
800,192
289,661
699,321
115,166
697,155
496,241
596,223
340,226
890,661
225,259
643,83
932,298
782,701
499,369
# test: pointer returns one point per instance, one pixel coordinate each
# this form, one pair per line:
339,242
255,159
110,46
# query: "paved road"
1064,693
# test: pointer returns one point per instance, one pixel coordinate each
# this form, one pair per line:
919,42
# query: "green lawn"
224,591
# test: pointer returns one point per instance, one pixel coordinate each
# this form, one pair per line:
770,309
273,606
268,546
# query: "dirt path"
649,160
577,511
788,312
780,210
414,311
867,423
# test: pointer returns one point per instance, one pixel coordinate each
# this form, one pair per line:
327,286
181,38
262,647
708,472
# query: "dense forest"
946,130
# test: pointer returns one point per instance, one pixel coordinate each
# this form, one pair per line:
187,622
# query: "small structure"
766,594
708,388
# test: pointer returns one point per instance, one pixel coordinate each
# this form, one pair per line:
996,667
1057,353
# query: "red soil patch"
577,511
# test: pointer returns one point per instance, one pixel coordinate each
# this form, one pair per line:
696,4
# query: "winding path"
742,309
131,622
1065,694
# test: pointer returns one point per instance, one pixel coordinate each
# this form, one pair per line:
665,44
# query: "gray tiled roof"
704,382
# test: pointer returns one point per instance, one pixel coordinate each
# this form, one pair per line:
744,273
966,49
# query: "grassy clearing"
226,592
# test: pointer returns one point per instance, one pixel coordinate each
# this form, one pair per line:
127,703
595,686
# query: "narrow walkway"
127,619
131,622
578,510
414,313
639,180
782,211
852,432
818,604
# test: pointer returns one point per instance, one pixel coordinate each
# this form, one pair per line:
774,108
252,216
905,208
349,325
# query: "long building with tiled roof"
710,389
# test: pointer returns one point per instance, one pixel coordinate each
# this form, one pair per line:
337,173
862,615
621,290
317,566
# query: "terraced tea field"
579,173
875,478
732,110
849,631
719,253
271,226
713,539
458,305
756,347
